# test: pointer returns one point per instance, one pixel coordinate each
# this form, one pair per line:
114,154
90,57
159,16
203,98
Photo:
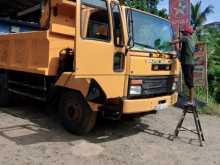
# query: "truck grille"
155,86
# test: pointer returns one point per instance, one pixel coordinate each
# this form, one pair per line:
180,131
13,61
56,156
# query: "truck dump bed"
39,51
34,52
25,52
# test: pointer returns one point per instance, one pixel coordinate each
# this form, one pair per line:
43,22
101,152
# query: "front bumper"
146,105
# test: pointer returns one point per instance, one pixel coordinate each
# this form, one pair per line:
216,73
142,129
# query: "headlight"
135,90
155,67
174,87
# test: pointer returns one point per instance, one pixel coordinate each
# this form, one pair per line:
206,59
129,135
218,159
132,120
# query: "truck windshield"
151,32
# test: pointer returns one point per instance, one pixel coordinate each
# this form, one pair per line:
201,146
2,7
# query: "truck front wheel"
77,116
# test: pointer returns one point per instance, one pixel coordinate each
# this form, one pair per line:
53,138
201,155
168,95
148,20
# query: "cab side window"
98,27
117,23
95,20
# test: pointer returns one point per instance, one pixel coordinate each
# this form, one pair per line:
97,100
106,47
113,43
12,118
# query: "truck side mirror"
130,20
118,38
117,25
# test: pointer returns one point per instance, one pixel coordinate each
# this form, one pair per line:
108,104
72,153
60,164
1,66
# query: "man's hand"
177,44
176,41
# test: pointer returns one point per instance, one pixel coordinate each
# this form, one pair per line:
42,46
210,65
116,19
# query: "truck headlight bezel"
174,86
135,90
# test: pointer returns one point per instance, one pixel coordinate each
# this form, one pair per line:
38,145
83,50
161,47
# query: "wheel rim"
73,112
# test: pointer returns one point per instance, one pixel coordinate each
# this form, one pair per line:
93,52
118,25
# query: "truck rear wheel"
4,93
77,116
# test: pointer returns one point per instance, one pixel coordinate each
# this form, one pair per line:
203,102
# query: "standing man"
187,60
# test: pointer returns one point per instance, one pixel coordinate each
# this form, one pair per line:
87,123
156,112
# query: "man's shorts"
188,75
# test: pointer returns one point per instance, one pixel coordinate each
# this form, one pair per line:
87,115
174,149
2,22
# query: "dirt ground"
30,137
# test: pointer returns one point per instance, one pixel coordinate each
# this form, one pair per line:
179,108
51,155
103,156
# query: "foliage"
147,5
199,16
213,108
212,37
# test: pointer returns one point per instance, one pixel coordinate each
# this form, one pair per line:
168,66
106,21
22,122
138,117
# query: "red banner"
180,14
200,71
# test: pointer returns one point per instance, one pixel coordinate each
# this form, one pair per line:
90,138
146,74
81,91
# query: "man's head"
187,30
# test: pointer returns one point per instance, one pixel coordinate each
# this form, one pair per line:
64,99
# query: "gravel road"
30,137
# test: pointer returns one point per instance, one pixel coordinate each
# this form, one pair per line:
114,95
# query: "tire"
4,93
76,115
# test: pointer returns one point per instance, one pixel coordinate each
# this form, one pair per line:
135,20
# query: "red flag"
180,14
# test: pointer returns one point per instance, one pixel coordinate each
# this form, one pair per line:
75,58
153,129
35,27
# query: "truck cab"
153,64
136,53
91,56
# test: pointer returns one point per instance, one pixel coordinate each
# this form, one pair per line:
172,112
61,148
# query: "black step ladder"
192,109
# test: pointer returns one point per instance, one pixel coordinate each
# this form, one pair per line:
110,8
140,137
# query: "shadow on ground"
38,126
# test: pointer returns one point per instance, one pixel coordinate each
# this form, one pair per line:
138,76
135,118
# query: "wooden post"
206,69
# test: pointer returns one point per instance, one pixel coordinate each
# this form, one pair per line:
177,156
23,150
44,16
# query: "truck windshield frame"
150,32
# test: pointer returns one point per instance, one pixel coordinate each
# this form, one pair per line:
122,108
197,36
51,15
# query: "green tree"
212,37
147,5
199,16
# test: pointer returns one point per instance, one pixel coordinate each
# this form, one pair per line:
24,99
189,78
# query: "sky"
211,18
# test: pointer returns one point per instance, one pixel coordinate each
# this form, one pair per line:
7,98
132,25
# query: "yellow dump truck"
89,56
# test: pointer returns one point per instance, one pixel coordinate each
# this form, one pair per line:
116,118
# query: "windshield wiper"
150,47
144,45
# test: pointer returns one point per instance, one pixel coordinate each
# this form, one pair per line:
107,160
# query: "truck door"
99,54
119,55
